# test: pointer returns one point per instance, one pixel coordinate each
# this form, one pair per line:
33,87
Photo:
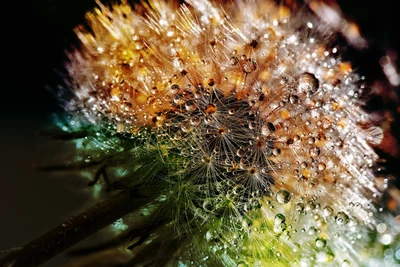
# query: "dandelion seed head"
258,116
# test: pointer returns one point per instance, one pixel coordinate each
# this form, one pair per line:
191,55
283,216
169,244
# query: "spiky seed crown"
246,119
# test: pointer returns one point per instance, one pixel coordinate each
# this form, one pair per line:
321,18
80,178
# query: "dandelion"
238,131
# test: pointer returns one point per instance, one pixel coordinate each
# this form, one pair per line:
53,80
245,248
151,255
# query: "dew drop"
276,151
321,166
179,100
186,126
211,109
328,211
233,60
195,121
240,152
175,88
314,151
342,218
320,242
307,83
283,196
190,105
249,66
154,90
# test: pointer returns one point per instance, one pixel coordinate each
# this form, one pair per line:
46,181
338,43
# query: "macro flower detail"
240,124
253,119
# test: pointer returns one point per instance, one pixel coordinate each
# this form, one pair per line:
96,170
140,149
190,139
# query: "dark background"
35,35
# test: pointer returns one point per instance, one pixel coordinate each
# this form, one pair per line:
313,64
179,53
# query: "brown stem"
75,230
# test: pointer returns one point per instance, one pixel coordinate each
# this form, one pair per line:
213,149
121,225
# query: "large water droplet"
328,211
320,242
283,196
210,109
195,121
342,218
307,83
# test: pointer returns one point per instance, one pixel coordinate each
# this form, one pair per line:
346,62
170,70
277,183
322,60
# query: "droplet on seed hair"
283,196
328,211
307,83
211,109
195,121
249,66
314,151
175,88
342,218
321,166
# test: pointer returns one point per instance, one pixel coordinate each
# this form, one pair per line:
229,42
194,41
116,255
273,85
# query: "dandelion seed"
244,123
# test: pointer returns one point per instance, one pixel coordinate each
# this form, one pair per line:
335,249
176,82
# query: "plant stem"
75,230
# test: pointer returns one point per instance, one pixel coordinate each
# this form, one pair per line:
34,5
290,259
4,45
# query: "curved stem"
75,230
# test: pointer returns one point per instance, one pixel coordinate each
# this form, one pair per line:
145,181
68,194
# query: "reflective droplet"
249,66
233,60
342,218
308,83
276,151
186,126
190,105
210,109
179,100
283,196
328,211
320,242
154,90
242,264
300,207
314,151
321,166
175,88
345,263
310,140
240,152
252,125
294,99
195,121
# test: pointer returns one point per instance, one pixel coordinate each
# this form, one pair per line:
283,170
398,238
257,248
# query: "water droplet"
307,83
328,211
342,218
314,151
252,125
320,242
294,99
321,166
310,140
283,196
179,100
312,231
190,105
276,151
195,121
154,90
233,60
240,152
300,207
249,66
345,263
186,126
211,109
242,264
175,88
279,218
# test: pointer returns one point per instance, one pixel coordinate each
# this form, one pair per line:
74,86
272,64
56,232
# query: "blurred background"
35,35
